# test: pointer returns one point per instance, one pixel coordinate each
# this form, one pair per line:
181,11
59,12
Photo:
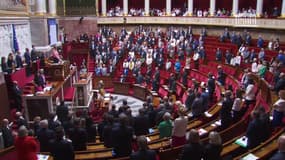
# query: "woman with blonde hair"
180,127
214,148
194,150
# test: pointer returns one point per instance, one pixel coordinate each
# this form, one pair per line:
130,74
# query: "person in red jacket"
26,146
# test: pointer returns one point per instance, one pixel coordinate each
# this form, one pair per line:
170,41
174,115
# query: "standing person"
194,148
165,127
61,148
279,109
18,59
237,106
26,146
78,136
141,124
280,154
225,112
144,153
179,128
214,148
255,130
44,135
34,55
17,95
249,93
7,134
122,135
211,86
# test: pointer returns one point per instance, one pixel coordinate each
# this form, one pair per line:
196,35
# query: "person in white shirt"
148,59
125,64
168,65
237,106
249,93
180,127
279,109
254,66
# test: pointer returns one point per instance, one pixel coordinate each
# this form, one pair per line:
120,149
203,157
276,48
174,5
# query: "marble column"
41,7
146,7
190,7
97,7
168,7
104,7
259,8
283,9
125,7
52,7
212,7
235,8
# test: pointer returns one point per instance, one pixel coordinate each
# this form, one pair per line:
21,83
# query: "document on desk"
242,141
42,157
250,156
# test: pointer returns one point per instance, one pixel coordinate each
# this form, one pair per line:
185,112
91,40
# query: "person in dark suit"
211,86
7,134
185,77
93,49
214,148
156,80
106,135
139,78
144,153
225,112
19,120
34,55
197,106
61,148
122,135
27,57
280,84
10,62
44,135
62,112
19,61
280,154
4,66
17,95
190,98
194,148
255,130
78,136
221,76
141,124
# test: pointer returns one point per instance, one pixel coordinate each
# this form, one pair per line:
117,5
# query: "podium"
84,94
57,71
140,92
44,102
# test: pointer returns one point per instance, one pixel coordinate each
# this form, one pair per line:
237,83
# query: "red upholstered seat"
162,92
69,93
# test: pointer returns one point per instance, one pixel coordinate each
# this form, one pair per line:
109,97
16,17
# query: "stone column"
168,7
235,8
104,7
190,7
259,8
97,7
41,7
212,7
52,7
283,9
125,7
146,7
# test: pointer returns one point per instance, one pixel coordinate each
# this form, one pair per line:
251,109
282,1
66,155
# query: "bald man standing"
280,155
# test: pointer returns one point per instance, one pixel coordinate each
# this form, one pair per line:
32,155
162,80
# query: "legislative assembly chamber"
142,80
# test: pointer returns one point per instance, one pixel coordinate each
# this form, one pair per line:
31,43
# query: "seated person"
55,55
40,80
